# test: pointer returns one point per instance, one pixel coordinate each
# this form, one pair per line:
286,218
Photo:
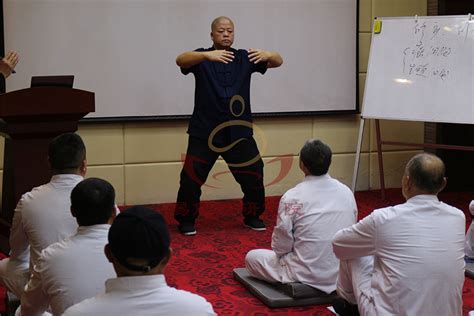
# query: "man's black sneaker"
187,229
344,308
254,223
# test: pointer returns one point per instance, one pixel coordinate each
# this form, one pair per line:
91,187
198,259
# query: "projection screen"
125,51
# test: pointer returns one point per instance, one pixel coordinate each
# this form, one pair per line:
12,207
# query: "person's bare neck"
415,191
71,171
121,271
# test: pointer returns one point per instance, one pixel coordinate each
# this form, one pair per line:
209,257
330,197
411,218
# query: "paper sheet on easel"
421,69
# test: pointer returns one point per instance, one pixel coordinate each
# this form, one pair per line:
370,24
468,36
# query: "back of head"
93,202
66,153
426,172
316,157
139,239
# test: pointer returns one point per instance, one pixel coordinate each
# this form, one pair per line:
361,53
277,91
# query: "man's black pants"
244,162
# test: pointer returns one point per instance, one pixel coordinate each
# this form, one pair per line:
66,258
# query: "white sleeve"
19,243
282,238
471,207
355,241
469,241
76,310
34,300
356,210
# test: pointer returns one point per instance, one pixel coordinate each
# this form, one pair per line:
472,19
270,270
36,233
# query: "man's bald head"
222,32
426,172
220,19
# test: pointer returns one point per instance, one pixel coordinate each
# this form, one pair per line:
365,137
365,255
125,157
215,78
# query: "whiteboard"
125,50
421,69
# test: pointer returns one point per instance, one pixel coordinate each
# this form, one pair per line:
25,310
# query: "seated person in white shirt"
139,249
469,246
69,271
308,217
43,215
406,259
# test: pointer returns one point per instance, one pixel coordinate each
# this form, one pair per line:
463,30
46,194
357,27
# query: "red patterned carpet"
203,264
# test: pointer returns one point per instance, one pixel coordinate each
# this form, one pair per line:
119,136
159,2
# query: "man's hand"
8,63
259,55
220,55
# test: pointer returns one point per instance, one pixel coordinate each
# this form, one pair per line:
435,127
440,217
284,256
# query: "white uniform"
68,272
469,246
308,217
42,217
142,295
404,260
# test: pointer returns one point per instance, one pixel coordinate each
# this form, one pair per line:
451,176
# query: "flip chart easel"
420,69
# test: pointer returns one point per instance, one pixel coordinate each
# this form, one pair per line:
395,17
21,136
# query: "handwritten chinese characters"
430,53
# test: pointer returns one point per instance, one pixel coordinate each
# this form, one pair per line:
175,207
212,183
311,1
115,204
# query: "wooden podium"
29,120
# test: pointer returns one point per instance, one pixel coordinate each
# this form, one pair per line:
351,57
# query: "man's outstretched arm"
189,59
273,59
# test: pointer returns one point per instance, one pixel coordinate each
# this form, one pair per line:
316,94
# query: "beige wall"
143,160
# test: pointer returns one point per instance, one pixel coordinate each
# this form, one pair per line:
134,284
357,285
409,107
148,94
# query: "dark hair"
66,152
316,157
427,172
93,201
139,233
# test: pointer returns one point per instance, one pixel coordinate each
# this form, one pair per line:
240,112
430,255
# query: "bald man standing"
221,123
406,259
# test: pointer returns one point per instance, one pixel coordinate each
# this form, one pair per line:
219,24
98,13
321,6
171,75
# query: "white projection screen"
124,51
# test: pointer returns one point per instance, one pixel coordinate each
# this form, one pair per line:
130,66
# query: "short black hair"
427,172
139,233
93,201
316,157
66,152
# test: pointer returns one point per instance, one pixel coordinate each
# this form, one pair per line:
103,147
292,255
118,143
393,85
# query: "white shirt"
308,217
469,245
68,272
143,296
418,250
43,217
